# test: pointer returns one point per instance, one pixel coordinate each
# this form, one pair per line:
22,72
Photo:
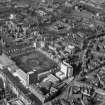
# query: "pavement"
5,61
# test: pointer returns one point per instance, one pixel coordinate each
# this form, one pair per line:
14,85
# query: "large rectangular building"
22,92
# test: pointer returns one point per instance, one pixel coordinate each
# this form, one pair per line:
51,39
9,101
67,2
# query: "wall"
22,75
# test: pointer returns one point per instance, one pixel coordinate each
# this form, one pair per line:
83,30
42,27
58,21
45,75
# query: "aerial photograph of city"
52,52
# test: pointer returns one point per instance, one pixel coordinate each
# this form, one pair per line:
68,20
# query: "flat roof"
15,81
25,91
34,61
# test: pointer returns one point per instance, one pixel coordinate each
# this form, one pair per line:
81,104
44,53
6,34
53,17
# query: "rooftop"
34,99
1,84
25,91
16,81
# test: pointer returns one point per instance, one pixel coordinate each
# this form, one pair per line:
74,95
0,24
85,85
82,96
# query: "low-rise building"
51,78
20,90
69,48
27,77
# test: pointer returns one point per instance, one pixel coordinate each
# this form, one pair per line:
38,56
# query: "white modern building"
65,72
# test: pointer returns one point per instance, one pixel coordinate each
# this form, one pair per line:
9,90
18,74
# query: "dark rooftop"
34,99
1,84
